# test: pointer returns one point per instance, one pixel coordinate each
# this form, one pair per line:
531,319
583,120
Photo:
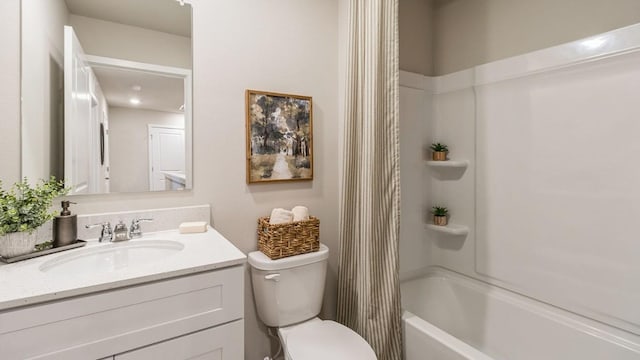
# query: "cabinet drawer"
223,342
103,324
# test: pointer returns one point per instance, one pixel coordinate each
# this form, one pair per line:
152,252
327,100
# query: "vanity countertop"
24,283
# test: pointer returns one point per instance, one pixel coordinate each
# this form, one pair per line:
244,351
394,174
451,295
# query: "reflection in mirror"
106,94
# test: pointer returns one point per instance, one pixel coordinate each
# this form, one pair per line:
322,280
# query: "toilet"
288,294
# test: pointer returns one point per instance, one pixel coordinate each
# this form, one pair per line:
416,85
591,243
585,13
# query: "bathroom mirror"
106,94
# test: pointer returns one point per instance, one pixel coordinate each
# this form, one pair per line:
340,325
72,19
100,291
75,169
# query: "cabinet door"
223,342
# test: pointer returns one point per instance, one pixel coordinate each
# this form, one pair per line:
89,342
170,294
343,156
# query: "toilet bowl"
316,339
288,294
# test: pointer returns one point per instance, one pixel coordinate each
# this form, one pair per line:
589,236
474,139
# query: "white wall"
287,46
294,50
416,32
42,62
474,32
109,39
129,145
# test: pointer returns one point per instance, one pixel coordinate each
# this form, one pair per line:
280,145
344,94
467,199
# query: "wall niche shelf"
448,164
451,229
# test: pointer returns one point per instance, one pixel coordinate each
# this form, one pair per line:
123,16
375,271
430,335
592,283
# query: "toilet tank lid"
260,261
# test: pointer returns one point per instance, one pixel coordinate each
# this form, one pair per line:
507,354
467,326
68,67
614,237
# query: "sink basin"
112,257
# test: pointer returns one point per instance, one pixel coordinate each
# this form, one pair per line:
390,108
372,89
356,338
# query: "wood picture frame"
279,137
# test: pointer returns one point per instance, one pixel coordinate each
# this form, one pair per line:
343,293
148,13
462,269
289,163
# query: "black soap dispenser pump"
65,226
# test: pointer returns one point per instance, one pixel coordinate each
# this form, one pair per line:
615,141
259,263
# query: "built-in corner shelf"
449,164
451,229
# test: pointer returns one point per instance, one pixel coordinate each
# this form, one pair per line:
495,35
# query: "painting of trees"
279,137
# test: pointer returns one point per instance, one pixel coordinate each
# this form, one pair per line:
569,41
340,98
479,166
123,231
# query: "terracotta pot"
439,155
17,243
440,220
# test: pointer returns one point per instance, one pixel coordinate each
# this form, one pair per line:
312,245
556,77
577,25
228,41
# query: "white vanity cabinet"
215,343
194,316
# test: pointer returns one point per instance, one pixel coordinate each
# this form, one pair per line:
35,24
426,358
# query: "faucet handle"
139,220
135,231
106,234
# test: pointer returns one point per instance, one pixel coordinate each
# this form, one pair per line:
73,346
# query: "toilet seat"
324,340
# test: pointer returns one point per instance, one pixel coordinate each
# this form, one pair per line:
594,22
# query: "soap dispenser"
65,226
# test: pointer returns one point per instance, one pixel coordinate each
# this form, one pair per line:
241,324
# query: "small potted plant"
439,152
440,215
23,209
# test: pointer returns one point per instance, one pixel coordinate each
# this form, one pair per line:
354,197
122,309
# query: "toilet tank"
288,290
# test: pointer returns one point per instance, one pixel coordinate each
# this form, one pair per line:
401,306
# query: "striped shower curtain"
368,286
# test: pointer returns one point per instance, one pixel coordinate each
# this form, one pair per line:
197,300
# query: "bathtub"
448,316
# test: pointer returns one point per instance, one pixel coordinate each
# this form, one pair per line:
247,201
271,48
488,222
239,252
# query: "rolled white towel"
300,213
280,216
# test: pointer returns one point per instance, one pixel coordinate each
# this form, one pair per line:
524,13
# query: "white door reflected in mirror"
80,124
166,158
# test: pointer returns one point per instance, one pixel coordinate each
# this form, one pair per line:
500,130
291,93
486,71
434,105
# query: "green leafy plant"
440,211
438,147
25,208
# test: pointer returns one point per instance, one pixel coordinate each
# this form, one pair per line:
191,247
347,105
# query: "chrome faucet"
106,234
135,231
120,232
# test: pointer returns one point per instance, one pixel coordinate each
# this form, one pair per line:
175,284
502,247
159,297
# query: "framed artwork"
279,137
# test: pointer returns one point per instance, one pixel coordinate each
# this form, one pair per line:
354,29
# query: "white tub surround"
537,193
451,317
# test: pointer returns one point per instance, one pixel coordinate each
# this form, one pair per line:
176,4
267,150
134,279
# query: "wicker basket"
282,240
